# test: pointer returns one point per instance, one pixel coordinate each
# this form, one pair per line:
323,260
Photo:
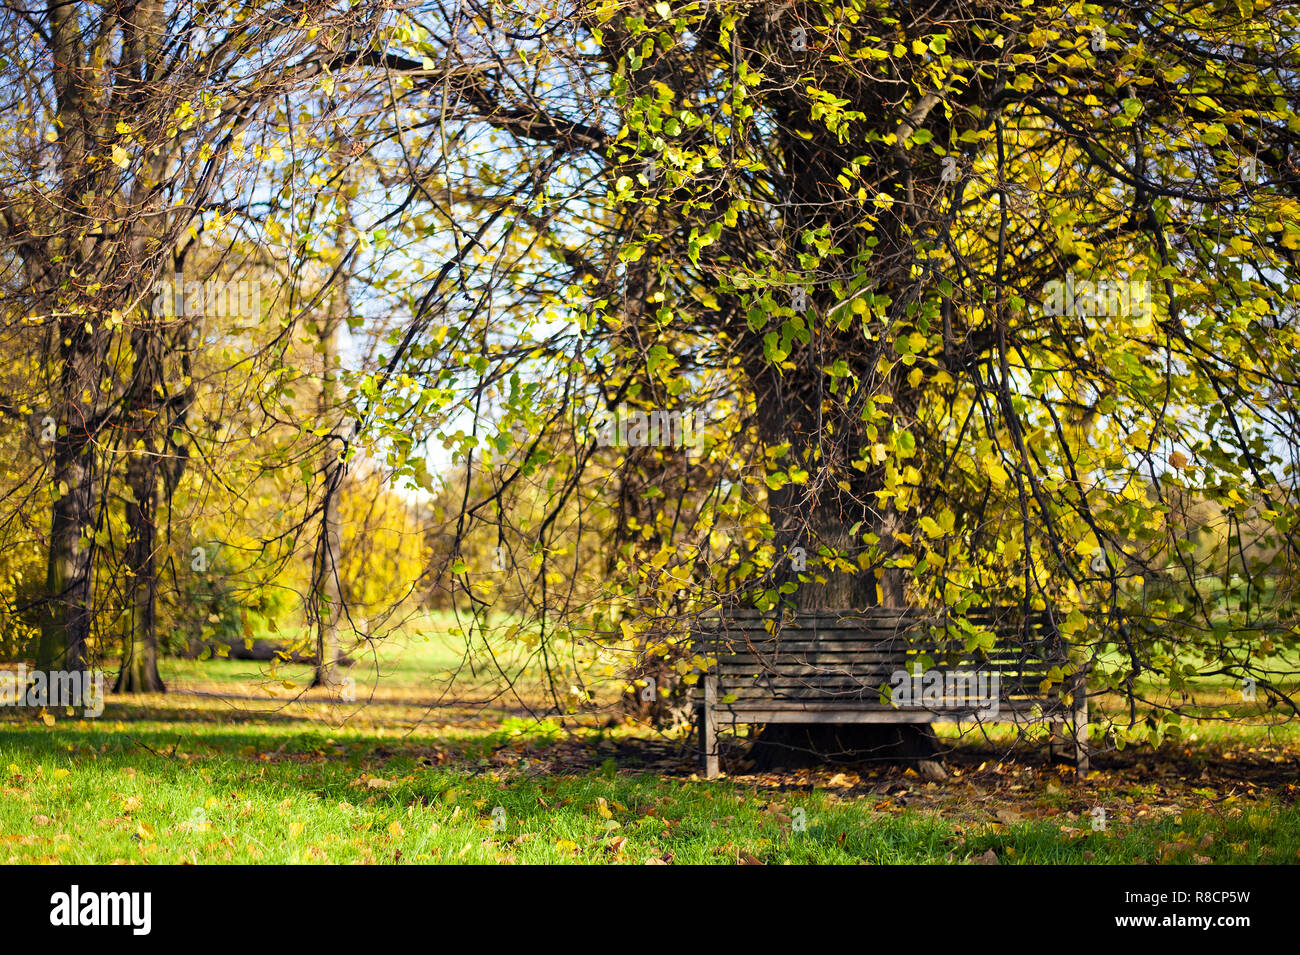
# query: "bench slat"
852,661
898,651
847,632
868,692
874,707
899,643
885,620
881,678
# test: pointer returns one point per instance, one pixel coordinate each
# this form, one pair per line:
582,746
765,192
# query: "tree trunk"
327,593
824,519
65,627
149,424
838,504
139,673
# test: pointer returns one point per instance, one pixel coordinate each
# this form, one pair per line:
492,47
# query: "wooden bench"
861,666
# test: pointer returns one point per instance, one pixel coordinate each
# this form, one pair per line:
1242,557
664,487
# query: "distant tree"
121,129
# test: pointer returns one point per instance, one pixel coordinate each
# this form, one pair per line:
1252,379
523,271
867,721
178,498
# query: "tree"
885,205
982,283
326,601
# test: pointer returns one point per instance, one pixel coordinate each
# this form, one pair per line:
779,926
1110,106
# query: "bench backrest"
850,655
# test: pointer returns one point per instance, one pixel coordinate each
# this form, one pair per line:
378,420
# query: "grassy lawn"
235,766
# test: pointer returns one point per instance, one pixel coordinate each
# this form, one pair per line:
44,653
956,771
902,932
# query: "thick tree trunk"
139,673
661,698
65,628
827,433
149,424
821,514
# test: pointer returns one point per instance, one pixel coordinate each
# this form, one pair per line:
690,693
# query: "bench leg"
1081,728
708,729
1058,740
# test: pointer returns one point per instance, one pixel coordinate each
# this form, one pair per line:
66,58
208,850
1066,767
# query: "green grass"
235,767
100,793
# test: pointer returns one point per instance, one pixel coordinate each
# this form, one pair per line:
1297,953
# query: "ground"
233,766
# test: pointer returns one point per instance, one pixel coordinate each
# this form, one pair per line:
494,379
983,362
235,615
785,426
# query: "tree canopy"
585,319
